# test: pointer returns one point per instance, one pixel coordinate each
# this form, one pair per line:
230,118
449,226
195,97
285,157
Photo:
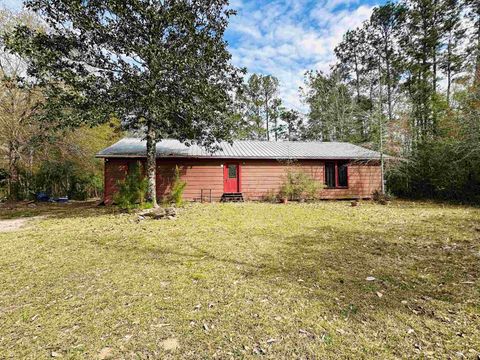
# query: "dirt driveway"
15,224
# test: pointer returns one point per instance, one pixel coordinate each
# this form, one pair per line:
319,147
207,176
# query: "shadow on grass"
402,270
74,209
334,267
325,263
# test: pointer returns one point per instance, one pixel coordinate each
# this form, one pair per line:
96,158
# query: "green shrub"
445,169
3,184
132,191
379,197
298,185
178,187
270,196
64,178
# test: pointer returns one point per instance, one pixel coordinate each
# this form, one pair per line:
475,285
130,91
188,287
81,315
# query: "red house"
248,169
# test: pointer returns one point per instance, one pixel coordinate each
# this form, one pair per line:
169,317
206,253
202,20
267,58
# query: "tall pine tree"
420,44
258,103
452,57
384,27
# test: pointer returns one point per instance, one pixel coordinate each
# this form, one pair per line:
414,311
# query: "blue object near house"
43,197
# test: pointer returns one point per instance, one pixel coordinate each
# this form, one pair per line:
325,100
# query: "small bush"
132,191
3,184
178,187
270,196
299,185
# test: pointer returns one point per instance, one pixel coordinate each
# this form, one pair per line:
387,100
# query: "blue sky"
285,38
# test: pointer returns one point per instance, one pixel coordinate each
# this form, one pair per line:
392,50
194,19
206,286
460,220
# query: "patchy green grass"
243,280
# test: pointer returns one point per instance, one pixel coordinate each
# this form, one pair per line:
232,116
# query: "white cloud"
285,38
236,4
244,29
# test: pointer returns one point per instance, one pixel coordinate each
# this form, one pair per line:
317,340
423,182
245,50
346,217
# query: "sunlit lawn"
242,281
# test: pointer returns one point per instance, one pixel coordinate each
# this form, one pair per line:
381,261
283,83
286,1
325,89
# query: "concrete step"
232,197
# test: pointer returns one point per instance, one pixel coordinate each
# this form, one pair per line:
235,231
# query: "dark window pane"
342,173
232,171
330,174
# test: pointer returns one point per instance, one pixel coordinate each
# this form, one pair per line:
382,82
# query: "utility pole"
382,171
380,120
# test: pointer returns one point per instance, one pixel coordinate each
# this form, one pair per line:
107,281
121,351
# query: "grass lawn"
242,281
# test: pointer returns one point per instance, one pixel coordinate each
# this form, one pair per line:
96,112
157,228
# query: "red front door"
230,178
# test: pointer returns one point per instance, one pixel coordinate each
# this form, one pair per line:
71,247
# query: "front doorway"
231,174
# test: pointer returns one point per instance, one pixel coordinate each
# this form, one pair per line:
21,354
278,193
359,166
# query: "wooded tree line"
408,79
160,68
409,76
259,114
33,156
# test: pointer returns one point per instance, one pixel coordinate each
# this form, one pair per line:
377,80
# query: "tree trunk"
380,124
357,78
449,72
151,164
276,128
267,116
389,80
13,172
434,50
477,55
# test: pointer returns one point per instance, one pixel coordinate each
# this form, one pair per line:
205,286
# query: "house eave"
138,156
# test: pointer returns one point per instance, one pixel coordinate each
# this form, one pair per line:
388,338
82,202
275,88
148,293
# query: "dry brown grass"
243,280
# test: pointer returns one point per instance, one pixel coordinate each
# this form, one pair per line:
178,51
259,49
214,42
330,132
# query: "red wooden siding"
198,174
262,176
115,171
257,177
